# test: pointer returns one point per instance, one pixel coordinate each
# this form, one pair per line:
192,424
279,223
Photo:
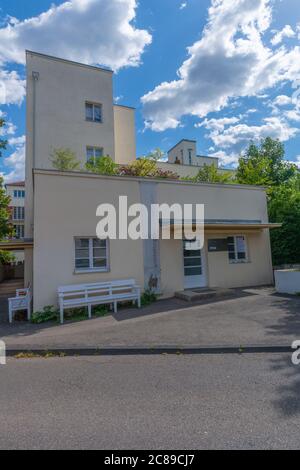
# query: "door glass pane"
192,262
193,271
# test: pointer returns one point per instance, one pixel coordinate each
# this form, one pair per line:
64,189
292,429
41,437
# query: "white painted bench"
87,295
22,301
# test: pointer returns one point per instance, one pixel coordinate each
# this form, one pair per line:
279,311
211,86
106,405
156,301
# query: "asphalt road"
151,402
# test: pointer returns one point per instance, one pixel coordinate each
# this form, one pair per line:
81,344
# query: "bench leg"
10,315
139,302
90,311
115,307
28,313
61,314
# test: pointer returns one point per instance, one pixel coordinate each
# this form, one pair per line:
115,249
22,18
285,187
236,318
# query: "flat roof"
146,179
124,106
17,183
180,142
67,61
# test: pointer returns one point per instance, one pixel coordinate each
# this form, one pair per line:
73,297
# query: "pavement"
252,317
153,402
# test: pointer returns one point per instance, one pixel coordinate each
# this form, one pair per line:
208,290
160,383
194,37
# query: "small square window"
237,249
93,152
93,112
91,254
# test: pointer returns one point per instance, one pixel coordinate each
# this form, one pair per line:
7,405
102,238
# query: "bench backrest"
96,288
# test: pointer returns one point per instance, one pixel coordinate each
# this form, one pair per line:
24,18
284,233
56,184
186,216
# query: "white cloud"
282,100
228,62
15,163
8,129
233,139
217,124
297,162
12,87
89,31
286,32
183,5
225,159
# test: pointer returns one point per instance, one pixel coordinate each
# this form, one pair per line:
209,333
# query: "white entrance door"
194,267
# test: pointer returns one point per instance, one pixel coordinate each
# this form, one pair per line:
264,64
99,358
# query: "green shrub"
102,166
49,313
148,297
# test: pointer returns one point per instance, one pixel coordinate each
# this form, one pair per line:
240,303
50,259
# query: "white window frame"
18,213
94,152
98,105
236,260
91,268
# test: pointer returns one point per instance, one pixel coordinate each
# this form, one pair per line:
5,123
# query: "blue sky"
222,72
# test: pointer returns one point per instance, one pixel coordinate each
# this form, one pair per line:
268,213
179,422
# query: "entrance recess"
194,268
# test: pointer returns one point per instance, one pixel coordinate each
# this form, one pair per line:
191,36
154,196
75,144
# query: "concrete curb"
61,352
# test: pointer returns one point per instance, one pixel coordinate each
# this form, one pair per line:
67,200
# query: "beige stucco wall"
257,271
230,202
125,146
70,211
61,92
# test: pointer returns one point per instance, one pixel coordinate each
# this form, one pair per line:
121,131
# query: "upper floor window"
18,213
92,153
19,193
237,249
93,112
91,254
190,156
19,231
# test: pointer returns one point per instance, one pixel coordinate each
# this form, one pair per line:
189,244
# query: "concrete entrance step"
192,295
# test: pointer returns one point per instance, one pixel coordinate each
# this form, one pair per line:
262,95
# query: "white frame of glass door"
199,280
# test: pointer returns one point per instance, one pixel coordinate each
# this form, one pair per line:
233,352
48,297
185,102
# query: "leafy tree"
3,143
6,228
211,174
64,159
265,165
156,155
102,166
284,207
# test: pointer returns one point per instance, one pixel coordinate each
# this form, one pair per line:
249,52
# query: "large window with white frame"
92,153
18,213
91,254
93,112
237,249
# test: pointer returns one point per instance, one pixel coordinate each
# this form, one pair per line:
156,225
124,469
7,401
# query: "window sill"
90,271
239,262
95,122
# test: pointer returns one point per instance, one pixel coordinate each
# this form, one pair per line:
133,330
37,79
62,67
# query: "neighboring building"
16,192
71,105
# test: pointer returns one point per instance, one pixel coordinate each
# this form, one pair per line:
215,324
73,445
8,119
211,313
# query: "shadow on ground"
288,401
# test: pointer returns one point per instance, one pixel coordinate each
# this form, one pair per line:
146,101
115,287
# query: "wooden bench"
87,295
22,301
